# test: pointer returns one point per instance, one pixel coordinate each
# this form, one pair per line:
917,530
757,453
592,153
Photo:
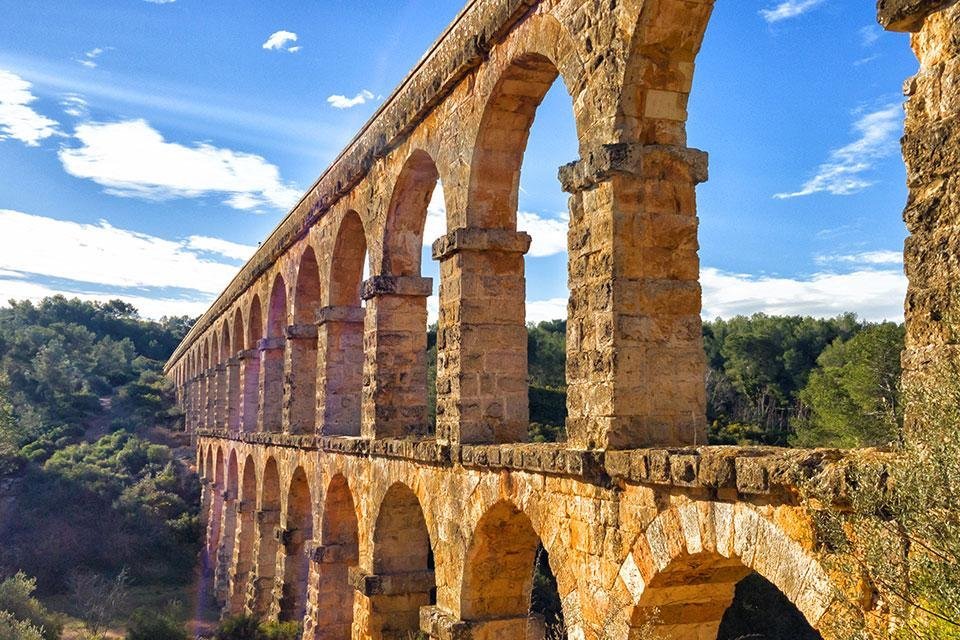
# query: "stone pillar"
931,150
243,558
233,394
260,591
482,388
271,385
394,402
340,340
300,380
437,624
635,361
224,556
249,401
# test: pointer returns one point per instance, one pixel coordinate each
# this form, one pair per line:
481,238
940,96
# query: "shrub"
13,629
16,599
242,627
150,625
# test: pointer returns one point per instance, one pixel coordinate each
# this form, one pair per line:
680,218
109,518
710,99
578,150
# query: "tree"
853,395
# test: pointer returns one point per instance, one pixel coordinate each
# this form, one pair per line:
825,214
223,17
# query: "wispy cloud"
222,247
160,1
74,105
883,257
132,159
17,119
281,41
102,254
870,34
89,59
343,102
844,173
548,235
789,9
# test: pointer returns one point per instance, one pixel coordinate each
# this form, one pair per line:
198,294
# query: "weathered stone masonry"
328,494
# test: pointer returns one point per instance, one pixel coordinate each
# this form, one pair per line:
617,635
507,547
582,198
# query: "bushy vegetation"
22,616
247,627
147,624
94,489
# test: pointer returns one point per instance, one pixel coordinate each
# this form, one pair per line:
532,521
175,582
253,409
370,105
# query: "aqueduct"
332,497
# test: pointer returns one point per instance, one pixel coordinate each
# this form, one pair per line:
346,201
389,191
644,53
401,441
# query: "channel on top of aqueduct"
329,494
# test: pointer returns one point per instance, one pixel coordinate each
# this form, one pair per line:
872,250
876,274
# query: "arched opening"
395,365
229,531
340,551
246,525
216,511
271,359
706,595
509,590
302,340
223,369
296,536
268,521
492,367
234,373
250,401
341,332
402,550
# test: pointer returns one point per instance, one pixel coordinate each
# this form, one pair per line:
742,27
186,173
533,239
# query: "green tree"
853,396
146,624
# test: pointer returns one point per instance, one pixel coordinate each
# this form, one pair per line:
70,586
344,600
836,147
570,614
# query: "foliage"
81,390
13,629
854,394
247,627
547,354
758,365
24,610
901,534
147,624
548,414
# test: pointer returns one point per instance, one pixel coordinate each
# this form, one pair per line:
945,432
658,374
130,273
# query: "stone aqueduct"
329,495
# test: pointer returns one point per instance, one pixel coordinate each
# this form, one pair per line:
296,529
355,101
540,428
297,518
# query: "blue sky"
147,146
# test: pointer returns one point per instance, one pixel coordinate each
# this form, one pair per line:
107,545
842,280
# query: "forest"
99,502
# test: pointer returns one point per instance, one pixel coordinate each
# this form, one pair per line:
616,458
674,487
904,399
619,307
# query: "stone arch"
238,334
686,565
407,214
403,559
234,380
255,322
272,359
341,332
301,406
659,69
297,537
268,521
497,587
228,528
246,530
339,551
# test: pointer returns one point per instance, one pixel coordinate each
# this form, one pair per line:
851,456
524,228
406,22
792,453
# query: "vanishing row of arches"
298,355
280,548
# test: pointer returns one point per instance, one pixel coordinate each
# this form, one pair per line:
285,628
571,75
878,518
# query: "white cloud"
882,257
160,1
280,41
223,247
843,174
343,102
548,235
542,310
74,105
17,119
105,255
156,308
788,9
873,294
131,159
